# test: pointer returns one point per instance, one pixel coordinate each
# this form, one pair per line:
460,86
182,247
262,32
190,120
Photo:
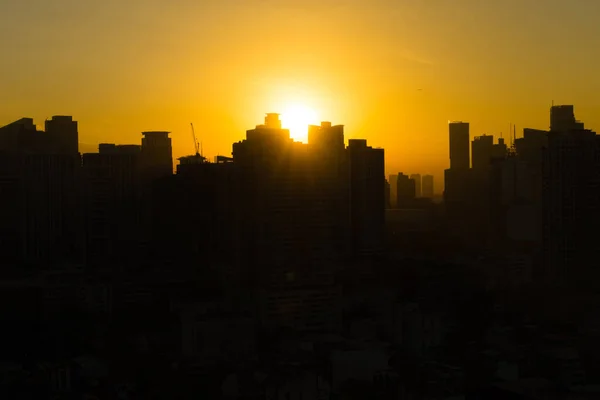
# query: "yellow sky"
122,67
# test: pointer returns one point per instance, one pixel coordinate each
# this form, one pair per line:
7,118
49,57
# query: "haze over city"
393,72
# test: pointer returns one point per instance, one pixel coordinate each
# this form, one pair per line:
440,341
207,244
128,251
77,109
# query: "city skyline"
164,66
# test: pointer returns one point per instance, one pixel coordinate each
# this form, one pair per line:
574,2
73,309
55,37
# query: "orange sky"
121,67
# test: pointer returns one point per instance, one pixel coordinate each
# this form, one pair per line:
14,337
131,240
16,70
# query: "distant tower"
417,179
427,186
405,192
459,145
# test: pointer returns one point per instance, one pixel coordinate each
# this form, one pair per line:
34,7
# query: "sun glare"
297,119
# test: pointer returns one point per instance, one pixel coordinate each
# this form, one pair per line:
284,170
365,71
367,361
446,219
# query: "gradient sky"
124,66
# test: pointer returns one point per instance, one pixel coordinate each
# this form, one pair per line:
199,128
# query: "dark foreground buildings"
276,221
539,197
269,274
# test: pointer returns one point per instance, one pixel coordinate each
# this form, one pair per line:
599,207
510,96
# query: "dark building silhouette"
428,188
406,191
459,145
393,180
457,179
265,273
571,194
418,184
63,131
192,219
112,202
40,173
367,191
287,231
562,119
156,155
482,149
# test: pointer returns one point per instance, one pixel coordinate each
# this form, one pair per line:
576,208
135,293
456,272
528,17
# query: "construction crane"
196,145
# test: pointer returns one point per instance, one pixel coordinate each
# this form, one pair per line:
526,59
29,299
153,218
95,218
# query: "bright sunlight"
297,118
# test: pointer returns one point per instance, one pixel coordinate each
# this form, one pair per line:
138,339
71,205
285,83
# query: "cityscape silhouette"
360,244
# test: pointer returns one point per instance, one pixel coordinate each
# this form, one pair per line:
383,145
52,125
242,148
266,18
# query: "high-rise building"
326,136
192,218
40,173
327,155
571,207
562,119
482,149
427,183
287,232
112,204
418,183
499,150
367,191
61,137
63,131
156,154
458,178
459,145
406,191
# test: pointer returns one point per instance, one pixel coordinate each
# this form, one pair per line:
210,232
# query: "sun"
297,118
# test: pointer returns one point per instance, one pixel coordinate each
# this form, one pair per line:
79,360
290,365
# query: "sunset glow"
296,118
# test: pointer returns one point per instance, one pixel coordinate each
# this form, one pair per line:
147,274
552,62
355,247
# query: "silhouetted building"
482,148
417,179
562,119
112,204
427,184
458,179
499,150
387,195
192,220
63,131
571,206
393,181
156,155
530,146
367,191
459,145
22,136
124,149
40,173
406,191
330,183
286,244
326,136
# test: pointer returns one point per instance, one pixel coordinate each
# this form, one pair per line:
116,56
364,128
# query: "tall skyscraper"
286,226
367,191
459,145
458,179
571,206
427,183
328,159
417,179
